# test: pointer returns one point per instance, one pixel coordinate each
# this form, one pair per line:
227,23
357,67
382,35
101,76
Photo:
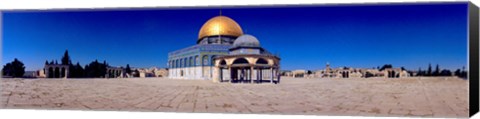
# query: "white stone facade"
196,73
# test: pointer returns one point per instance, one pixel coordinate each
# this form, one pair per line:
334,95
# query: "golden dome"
220,25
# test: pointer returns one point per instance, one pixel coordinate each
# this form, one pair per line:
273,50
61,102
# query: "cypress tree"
66,58
128,70
429,71
437,71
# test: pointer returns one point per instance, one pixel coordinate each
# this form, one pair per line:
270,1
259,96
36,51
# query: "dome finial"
220,11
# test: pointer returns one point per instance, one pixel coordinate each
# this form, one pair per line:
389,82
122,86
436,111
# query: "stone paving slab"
416,97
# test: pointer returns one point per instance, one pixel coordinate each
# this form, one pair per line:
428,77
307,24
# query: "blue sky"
306,37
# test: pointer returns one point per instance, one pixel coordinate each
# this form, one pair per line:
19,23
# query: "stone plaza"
412,96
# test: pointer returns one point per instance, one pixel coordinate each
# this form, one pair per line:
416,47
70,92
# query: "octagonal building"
219,37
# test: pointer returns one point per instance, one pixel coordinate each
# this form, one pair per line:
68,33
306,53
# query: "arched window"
190,62
176,63
261,61
62,72
57,73
185,62
205,60
196,61
181,63
50,72
240,61
223,62
212,62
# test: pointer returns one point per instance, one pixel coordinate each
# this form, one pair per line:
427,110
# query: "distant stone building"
41,73
395,73
152,72
56,71
115,72
299,73
30,74
61,71
161,72
349,72
286,73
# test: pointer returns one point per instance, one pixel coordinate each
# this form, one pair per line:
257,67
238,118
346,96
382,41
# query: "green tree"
128,70
66,58
419,72
14,69
463,74
96,69
445,72
429,71
79,71
86,71
71,70
437,71
457,72
386,66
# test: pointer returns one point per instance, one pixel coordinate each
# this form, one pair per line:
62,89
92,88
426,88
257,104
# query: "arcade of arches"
247,68
56,71
114,72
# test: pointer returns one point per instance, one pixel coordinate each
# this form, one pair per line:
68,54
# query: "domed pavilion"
247,61
223,53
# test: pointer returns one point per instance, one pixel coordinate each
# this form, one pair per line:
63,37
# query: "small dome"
246,41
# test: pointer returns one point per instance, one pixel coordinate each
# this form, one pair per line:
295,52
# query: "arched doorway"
262,64
57,72
50,72
62,72
238,69
204,63
222,66
212,62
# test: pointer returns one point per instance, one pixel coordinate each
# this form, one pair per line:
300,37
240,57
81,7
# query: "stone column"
261,74
121,74
271,72
46,72
66,74
221,75
216,77
258,74
251,73
242,74
278,75
230,70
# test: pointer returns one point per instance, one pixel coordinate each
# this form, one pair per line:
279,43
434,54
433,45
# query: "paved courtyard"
426,97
